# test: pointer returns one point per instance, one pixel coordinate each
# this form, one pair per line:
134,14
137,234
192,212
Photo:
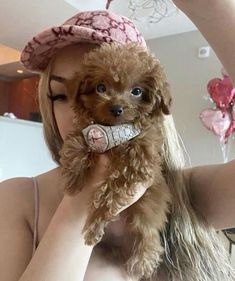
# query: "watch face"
97,139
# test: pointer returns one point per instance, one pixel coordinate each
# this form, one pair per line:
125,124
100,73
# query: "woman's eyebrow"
57,78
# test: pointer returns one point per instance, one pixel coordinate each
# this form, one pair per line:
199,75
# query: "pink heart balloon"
221,91
216,121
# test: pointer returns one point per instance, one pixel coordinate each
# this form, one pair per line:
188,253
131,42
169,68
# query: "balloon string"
225,150
231,129
108,4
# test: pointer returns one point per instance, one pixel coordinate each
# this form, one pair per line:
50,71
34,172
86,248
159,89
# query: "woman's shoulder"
16,194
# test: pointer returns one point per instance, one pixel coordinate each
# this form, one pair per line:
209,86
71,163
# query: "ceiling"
21,20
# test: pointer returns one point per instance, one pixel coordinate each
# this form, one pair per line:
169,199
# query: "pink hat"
92,27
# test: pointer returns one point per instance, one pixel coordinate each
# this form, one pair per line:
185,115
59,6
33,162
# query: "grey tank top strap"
36,214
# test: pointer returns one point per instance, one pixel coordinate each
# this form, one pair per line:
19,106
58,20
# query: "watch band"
102,138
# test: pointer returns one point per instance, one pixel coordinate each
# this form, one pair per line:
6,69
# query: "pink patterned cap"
92,27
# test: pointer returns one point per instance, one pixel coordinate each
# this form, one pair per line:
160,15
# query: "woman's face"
64,66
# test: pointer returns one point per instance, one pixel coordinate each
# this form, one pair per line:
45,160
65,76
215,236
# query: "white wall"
188,76
22,149
233,255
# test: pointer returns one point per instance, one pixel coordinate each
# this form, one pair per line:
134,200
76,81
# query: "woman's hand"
117,229
97,176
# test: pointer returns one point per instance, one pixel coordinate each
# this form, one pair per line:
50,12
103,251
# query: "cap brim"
38,52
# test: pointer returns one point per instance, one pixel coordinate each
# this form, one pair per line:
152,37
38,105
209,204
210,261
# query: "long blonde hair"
193,249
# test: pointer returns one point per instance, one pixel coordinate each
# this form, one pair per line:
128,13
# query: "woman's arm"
215,19
61,254
213,187
61,249
213,193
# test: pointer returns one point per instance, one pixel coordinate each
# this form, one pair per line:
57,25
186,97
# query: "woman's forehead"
68,59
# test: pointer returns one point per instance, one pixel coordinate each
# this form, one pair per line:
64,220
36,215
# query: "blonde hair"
51,133
193,249
50,130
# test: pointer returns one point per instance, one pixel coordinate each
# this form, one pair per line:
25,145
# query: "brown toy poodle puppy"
119,85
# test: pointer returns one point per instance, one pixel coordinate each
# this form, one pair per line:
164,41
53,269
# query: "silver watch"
102,138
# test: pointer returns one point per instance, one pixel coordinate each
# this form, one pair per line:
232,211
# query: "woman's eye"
101,88
136,91
59,97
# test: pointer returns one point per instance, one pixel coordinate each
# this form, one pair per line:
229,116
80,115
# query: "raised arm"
213,193
213,187
216,21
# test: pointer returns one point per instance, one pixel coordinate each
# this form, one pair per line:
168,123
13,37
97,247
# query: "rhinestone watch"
102,138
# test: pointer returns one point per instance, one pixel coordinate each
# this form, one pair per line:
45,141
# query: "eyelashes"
59,97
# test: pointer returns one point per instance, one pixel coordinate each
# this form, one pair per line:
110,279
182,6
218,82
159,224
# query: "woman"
61,253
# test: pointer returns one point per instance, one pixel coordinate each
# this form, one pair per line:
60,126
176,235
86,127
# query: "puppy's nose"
116,110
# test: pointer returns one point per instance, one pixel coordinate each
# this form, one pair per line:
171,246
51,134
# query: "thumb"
140,189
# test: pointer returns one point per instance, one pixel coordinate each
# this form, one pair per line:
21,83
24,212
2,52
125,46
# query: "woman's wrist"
75,208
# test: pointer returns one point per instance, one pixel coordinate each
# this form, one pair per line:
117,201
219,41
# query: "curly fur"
163,225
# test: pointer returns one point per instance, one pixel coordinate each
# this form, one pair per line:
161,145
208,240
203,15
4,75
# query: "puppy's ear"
165,98
158,86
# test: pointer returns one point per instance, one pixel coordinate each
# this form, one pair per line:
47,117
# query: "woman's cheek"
64,118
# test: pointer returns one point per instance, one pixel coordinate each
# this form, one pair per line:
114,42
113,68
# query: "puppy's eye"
101,88
137,91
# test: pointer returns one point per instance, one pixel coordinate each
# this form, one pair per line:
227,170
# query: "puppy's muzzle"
116,110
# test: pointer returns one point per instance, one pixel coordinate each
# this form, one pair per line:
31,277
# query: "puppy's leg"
108,201
99,214
146,219
75,162
115,194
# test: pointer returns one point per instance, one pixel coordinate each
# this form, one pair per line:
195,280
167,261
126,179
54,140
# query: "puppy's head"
120,84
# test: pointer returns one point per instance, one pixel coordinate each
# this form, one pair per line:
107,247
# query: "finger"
102,164
140,190
99,172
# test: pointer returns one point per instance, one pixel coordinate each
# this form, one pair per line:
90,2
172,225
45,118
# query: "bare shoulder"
16,221
15,235
16,195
